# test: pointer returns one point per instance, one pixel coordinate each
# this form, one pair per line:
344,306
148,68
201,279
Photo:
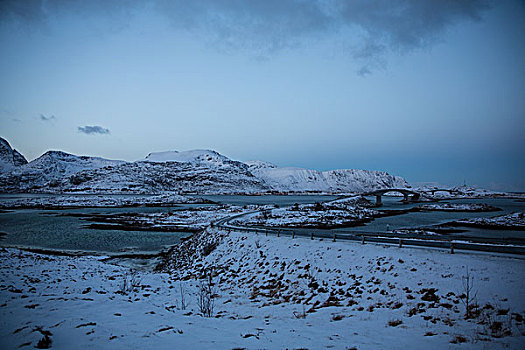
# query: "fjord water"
50,229
43,229
430,218
407,220
47,229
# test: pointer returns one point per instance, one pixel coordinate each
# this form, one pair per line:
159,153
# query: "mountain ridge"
195,171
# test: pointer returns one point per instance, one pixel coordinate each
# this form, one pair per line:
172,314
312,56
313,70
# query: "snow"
96,201
138,177
50,169
270,292
332,214
458,192
9,157
351,201
194,219
513,220
345,180
458,207
194,171
193,156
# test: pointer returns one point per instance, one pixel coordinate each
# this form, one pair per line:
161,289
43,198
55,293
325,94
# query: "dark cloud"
93,130
368,29
46,118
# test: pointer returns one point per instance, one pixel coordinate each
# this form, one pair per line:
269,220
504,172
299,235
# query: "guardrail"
400,240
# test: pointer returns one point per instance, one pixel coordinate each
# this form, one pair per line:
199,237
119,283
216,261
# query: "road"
444,242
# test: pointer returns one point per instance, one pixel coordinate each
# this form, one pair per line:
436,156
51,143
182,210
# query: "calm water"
42,229
263,200
419,219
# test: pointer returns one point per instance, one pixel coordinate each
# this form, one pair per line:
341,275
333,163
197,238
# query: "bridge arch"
433,192
408,195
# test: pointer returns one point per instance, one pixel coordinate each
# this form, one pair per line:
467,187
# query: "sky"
433,90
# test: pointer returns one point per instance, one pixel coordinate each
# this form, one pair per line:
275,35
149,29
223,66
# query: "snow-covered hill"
201,157
157,177
193,172
49,170
345,180
9,158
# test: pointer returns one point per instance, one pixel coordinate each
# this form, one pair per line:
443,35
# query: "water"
430,218
408,220
43,229
35,228
281,201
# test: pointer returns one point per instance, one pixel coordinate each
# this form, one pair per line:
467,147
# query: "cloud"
47,119
364,71
366,30
93,130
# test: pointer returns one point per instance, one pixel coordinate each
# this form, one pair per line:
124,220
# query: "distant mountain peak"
57,154
191,156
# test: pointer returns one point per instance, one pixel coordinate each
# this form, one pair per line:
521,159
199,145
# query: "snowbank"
469,207
514,220
268,292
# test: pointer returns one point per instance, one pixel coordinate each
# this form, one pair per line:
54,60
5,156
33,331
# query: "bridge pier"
408,195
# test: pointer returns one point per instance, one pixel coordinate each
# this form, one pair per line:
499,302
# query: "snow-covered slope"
207,157
9,157
198,171
48,170
345,180
157,177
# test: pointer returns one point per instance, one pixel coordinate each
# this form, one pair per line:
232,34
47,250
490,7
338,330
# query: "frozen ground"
269,292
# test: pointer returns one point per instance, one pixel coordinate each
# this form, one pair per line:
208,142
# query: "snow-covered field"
96,201
268,292
332,214
186,220
464,191
514,220
458,207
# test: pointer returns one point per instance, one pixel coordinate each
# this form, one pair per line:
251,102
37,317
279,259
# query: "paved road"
445,242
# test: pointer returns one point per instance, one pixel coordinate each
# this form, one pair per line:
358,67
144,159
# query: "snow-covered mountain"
9,158
201,157
197,172
49,170
344,180
156,177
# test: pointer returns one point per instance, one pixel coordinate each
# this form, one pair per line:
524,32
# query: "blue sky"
432,90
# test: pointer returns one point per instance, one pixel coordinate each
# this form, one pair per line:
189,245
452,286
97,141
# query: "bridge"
408,195
433,192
